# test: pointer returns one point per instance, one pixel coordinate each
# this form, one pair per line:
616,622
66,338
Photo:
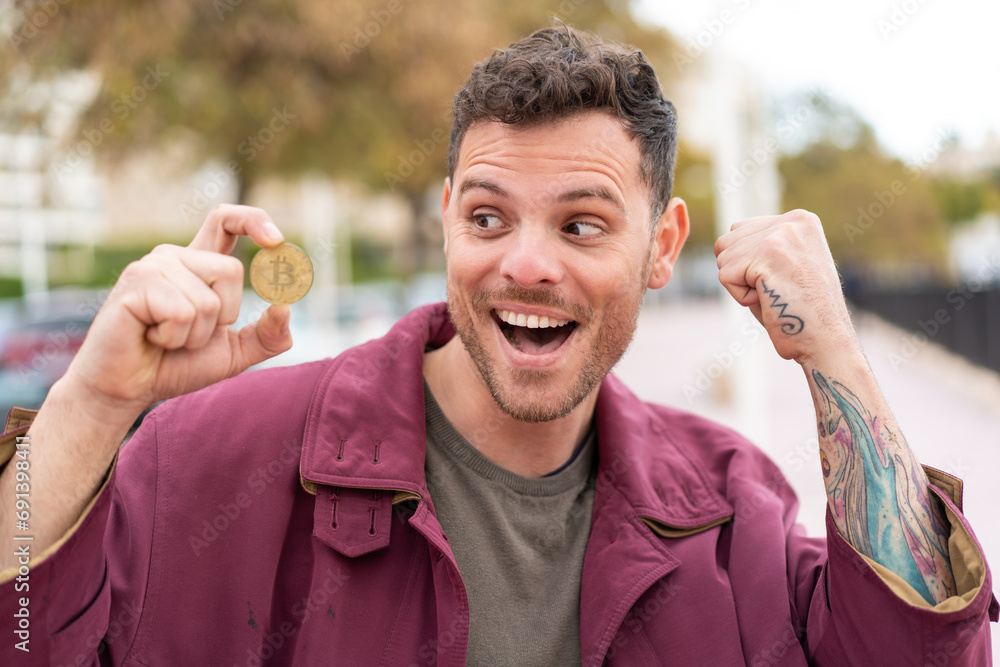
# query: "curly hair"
555,72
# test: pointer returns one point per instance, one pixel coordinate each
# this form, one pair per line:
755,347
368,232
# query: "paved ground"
712,359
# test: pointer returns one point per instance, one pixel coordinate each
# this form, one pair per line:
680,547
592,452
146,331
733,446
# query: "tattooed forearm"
791,324
878,493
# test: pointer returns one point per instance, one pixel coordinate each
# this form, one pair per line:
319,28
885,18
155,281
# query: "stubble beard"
614,335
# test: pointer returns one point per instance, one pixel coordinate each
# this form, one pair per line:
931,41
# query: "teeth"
530,321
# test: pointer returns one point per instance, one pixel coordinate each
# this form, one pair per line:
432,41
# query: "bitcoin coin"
282,274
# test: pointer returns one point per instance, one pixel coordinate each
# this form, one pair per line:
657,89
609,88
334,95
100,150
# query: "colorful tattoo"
878,493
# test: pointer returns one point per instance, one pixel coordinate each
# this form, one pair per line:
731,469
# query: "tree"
357,89
694,185
961,200
876,210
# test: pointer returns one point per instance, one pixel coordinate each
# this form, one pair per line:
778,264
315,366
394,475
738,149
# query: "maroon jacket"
282,517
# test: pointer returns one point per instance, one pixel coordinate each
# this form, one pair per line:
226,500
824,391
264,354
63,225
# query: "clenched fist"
165,328
781,268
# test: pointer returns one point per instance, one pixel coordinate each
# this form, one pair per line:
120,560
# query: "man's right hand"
165,328
163,331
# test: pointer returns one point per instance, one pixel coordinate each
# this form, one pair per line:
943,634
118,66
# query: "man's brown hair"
555,72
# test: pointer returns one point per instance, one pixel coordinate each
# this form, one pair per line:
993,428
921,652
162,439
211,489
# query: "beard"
535,396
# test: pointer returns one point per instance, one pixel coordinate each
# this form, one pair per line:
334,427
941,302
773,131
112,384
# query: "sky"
912,68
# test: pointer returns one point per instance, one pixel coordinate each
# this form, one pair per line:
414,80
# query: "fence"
965,322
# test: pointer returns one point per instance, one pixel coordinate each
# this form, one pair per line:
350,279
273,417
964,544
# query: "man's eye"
487,222
583,229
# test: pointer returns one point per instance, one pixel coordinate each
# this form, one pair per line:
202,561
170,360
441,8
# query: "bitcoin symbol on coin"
282,274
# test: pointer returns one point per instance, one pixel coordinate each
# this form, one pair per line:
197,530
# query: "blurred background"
123,123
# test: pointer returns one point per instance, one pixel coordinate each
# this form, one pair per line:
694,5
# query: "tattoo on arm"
878,493
792,323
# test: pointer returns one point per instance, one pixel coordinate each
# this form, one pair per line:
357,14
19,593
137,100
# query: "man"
491,497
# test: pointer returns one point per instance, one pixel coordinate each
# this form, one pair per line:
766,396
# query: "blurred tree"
876,210
358,89
694,185
962,200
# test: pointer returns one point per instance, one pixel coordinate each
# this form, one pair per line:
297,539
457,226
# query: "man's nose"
533,257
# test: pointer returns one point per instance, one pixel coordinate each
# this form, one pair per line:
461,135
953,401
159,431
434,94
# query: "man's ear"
445,196
671,231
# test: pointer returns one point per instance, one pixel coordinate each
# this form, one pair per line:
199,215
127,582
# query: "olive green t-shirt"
519,543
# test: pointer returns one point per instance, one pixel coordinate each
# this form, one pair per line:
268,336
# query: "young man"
491,497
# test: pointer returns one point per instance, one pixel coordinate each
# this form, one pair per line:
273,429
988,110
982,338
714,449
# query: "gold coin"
282,274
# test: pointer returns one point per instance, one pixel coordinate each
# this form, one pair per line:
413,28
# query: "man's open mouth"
532,334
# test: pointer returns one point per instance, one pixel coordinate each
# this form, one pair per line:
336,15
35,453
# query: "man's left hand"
781,268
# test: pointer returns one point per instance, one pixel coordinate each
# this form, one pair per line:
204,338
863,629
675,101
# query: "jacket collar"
648,464
365,425
365,429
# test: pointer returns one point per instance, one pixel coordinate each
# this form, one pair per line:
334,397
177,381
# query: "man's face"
549,249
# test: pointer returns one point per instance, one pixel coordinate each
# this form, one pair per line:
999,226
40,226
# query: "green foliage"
693,184
361,88
875,209
355,89
371,261
10,287
962,201
108,264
